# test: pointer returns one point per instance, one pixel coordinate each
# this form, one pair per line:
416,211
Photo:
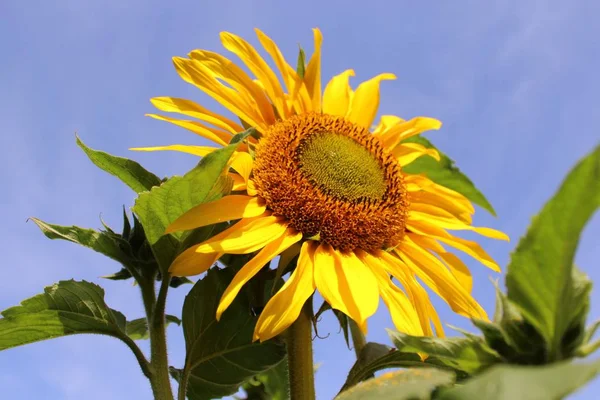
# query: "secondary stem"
300,357
358,338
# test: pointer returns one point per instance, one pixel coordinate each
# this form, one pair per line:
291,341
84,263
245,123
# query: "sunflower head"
318,183
333,180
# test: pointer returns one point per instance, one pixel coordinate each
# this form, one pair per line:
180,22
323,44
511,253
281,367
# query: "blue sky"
515,83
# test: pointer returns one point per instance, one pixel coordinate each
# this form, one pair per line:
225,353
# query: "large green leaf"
128,171
540,275
137,329
162,205
445,173
65,308
507,382
409,384
220,356
470,354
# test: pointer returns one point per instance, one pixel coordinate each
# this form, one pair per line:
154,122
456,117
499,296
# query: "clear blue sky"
515,83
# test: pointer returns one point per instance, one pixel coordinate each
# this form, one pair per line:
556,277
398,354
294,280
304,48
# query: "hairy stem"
358,338
300,356
155,315
139,355
183,382
161,382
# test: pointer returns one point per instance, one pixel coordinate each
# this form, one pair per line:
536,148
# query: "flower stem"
161,382
358,338
300,357
155,315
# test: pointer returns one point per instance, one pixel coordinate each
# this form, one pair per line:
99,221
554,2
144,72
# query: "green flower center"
341,167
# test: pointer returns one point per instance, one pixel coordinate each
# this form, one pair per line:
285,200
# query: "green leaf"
540,275
463,354
102,242
340,316
220,356
65,308
376,357
120,275
409,384
275,381
506,382
301,63
129,172
137,329
162,205
445,173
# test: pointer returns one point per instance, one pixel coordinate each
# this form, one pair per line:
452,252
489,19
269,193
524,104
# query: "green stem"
161,382
300,356
139,355
183,382
358,338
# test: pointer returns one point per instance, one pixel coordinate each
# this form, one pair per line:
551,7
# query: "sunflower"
318,183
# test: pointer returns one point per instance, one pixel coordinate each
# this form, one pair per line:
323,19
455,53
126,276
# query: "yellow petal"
406,153
271,250
455,224
365,101
416,293
441,210
471,248
285,306
346,283
460,271
227,208
255,63
435,275
336,99
287,72
242,162
191,263
248,238
386,122
194,110
312,76
219,137
236,101
402,131
239,183
402,310
298,98
200,151
251,189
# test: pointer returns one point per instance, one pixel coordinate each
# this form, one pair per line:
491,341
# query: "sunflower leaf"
410,384
221,355
137,329
376,357
275,382
129,172
110,245
445,173
508,382
162,205
65,308
340,316
470,354
301,63
557,304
